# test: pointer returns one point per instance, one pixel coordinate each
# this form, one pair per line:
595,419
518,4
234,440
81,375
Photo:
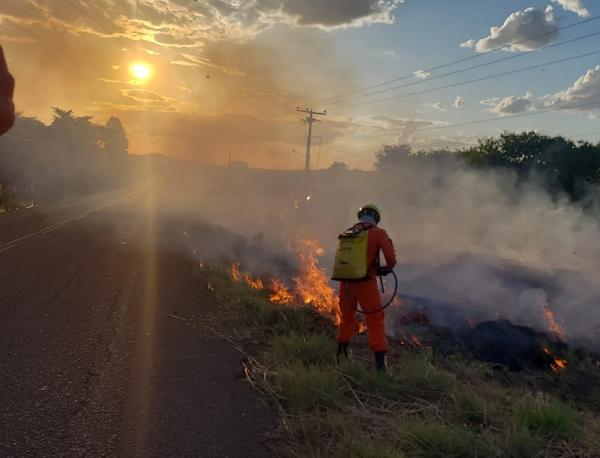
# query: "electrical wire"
490,120
454,62
456,72
475,80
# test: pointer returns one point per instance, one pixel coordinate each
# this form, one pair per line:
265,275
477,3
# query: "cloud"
421,74
141,95
335,13
459,102
436,106
585,90
517,27
510,105
575,6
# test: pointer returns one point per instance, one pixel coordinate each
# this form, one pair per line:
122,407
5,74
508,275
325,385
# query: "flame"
279,293
235,271
553,326
312,285
362,327
252,283
557,364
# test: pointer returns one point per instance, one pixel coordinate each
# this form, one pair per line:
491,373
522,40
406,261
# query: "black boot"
380,361
342,350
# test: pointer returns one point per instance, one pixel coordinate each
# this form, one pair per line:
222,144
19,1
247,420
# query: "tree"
115,137
339,167
565,166
392,156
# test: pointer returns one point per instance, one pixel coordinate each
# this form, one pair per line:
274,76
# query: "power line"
456,72
519,115
483,78
489,120
458,61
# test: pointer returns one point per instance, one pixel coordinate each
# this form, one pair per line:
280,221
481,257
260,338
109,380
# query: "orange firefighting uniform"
366,293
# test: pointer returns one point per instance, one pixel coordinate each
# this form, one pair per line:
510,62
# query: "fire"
415,340
553,326
235,271
312,285
557,364
279,293
362,327
253,283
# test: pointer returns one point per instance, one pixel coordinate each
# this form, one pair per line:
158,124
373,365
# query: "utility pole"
310,119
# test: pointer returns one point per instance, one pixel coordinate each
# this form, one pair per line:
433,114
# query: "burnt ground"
91,362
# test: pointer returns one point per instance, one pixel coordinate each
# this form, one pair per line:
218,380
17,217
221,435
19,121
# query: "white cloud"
517,27
459,102
437,106
510,105
585,90
421,74
575,6
335,13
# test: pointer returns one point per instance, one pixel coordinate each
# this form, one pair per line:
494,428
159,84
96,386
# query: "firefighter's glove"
384,270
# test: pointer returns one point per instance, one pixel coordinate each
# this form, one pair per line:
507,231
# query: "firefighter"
7,88
357,267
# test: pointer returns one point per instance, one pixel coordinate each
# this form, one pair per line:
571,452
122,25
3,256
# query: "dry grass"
424,406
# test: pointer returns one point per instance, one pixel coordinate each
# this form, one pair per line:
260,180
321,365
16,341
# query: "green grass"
417,373
308,350
554,419
308,388
471,408
432,439
425,406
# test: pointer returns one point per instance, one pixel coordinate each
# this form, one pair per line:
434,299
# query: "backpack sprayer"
351,263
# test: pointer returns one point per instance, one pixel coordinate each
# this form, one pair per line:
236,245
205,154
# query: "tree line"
562,166
71,156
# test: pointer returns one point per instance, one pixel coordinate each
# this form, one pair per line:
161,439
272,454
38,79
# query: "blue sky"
427,33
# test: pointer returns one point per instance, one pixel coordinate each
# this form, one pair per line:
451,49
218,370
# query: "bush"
555,418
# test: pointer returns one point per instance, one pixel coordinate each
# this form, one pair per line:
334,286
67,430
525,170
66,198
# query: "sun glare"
140,71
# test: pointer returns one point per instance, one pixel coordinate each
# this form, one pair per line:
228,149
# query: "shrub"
555,418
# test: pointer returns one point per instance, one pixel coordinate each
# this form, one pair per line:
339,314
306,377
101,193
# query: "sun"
140,71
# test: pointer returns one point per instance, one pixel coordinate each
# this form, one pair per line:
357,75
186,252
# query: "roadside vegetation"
426,406
71,156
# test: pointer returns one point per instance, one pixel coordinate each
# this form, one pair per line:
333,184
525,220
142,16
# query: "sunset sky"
216,77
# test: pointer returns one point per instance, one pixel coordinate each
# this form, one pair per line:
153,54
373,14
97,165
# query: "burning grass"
428,405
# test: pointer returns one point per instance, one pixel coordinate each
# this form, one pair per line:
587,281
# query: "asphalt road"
90,362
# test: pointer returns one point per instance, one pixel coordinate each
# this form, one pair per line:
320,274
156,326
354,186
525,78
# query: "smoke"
475,239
